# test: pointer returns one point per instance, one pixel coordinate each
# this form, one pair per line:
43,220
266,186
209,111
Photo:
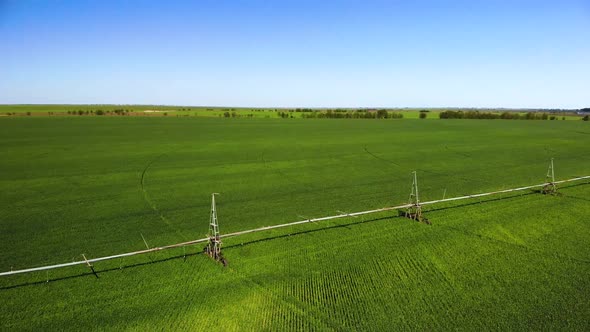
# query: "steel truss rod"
345,215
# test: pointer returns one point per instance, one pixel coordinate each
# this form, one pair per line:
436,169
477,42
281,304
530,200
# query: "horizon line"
293,107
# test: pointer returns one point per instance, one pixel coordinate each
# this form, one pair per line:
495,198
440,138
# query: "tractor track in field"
463,154
278,170
462,178
309,188
149,201
379,158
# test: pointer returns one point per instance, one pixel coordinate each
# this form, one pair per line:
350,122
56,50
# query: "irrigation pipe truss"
343,215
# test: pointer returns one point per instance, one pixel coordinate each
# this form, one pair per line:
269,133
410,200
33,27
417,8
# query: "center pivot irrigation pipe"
343,215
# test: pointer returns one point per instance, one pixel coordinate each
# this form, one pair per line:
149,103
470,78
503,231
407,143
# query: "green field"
96,185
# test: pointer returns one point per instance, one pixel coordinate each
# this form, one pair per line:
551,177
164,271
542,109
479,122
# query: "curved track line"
466,155
308,187
278,170
379,158
150,202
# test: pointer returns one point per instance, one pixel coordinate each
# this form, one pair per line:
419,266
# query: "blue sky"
297,53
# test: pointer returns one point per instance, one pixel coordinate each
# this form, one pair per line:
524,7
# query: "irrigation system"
214,240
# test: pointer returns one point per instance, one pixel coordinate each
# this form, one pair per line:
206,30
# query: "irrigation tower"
213,248
550,187
414,211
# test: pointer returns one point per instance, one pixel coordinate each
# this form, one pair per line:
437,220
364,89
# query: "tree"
382,114
586,118
423,115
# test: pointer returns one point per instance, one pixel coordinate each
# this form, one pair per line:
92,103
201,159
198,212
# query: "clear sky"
297,53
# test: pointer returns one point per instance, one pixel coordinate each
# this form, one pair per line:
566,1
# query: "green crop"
95,185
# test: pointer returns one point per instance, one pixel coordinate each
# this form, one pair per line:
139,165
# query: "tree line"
358,114
503,115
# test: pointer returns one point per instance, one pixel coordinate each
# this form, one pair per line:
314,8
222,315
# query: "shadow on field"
489,200
513,196
155,261
425,211
346,225
396,216
99,272
311,231
575,197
